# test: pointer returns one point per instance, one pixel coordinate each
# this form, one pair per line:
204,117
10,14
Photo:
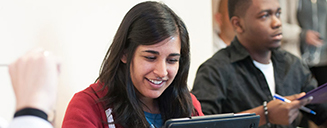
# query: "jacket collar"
278,57
239,53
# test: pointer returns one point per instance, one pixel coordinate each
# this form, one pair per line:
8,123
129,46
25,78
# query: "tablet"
319,94
229,120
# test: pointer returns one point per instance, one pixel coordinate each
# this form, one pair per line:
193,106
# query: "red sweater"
84,110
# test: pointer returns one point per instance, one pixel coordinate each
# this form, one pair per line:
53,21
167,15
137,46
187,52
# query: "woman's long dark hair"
146,23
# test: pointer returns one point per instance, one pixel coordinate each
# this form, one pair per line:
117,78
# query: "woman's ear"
237,24
124,58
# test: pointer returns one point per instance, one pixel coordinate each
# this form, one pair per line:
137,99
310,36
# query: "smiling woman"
154,68
143,75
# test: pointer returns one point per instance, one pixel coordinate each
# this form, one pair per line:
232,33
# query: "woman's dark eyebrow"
174,54
157,53
151,51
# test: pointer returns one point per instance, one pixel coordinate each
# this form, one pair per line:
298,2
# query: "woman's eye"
150,57
172,61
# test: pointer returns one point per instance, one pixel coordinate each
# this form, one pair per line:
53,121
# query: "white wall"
80,32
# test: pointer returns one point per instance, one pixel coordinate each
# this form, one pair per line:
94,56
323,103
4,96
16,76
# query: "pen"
288,101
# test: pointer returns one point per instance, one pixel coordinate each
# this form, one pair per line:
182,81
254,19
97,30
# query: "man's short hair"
238,7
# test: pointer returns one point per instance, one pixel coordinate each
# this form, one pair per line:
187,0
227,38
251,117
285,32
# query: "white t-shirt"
268,71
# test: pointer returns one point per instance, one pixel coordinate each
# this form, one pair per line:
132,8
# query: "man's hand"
283,113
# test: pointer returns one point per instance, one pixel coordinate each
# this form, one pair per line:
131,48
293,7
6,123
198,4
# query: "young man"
244,76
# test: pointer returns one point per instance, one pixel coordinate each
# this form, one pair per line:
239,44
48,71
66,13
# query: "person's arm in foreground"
34,78
280,112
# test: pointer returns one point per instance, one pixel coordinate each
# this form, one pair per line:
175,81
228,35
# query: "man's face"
262,24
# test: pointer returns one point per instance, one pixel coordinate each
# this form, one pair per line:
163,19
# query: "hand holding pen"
280,112
288,101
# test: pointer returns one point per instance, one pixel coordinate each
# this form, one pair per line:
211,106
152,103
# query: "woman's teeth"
156,81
